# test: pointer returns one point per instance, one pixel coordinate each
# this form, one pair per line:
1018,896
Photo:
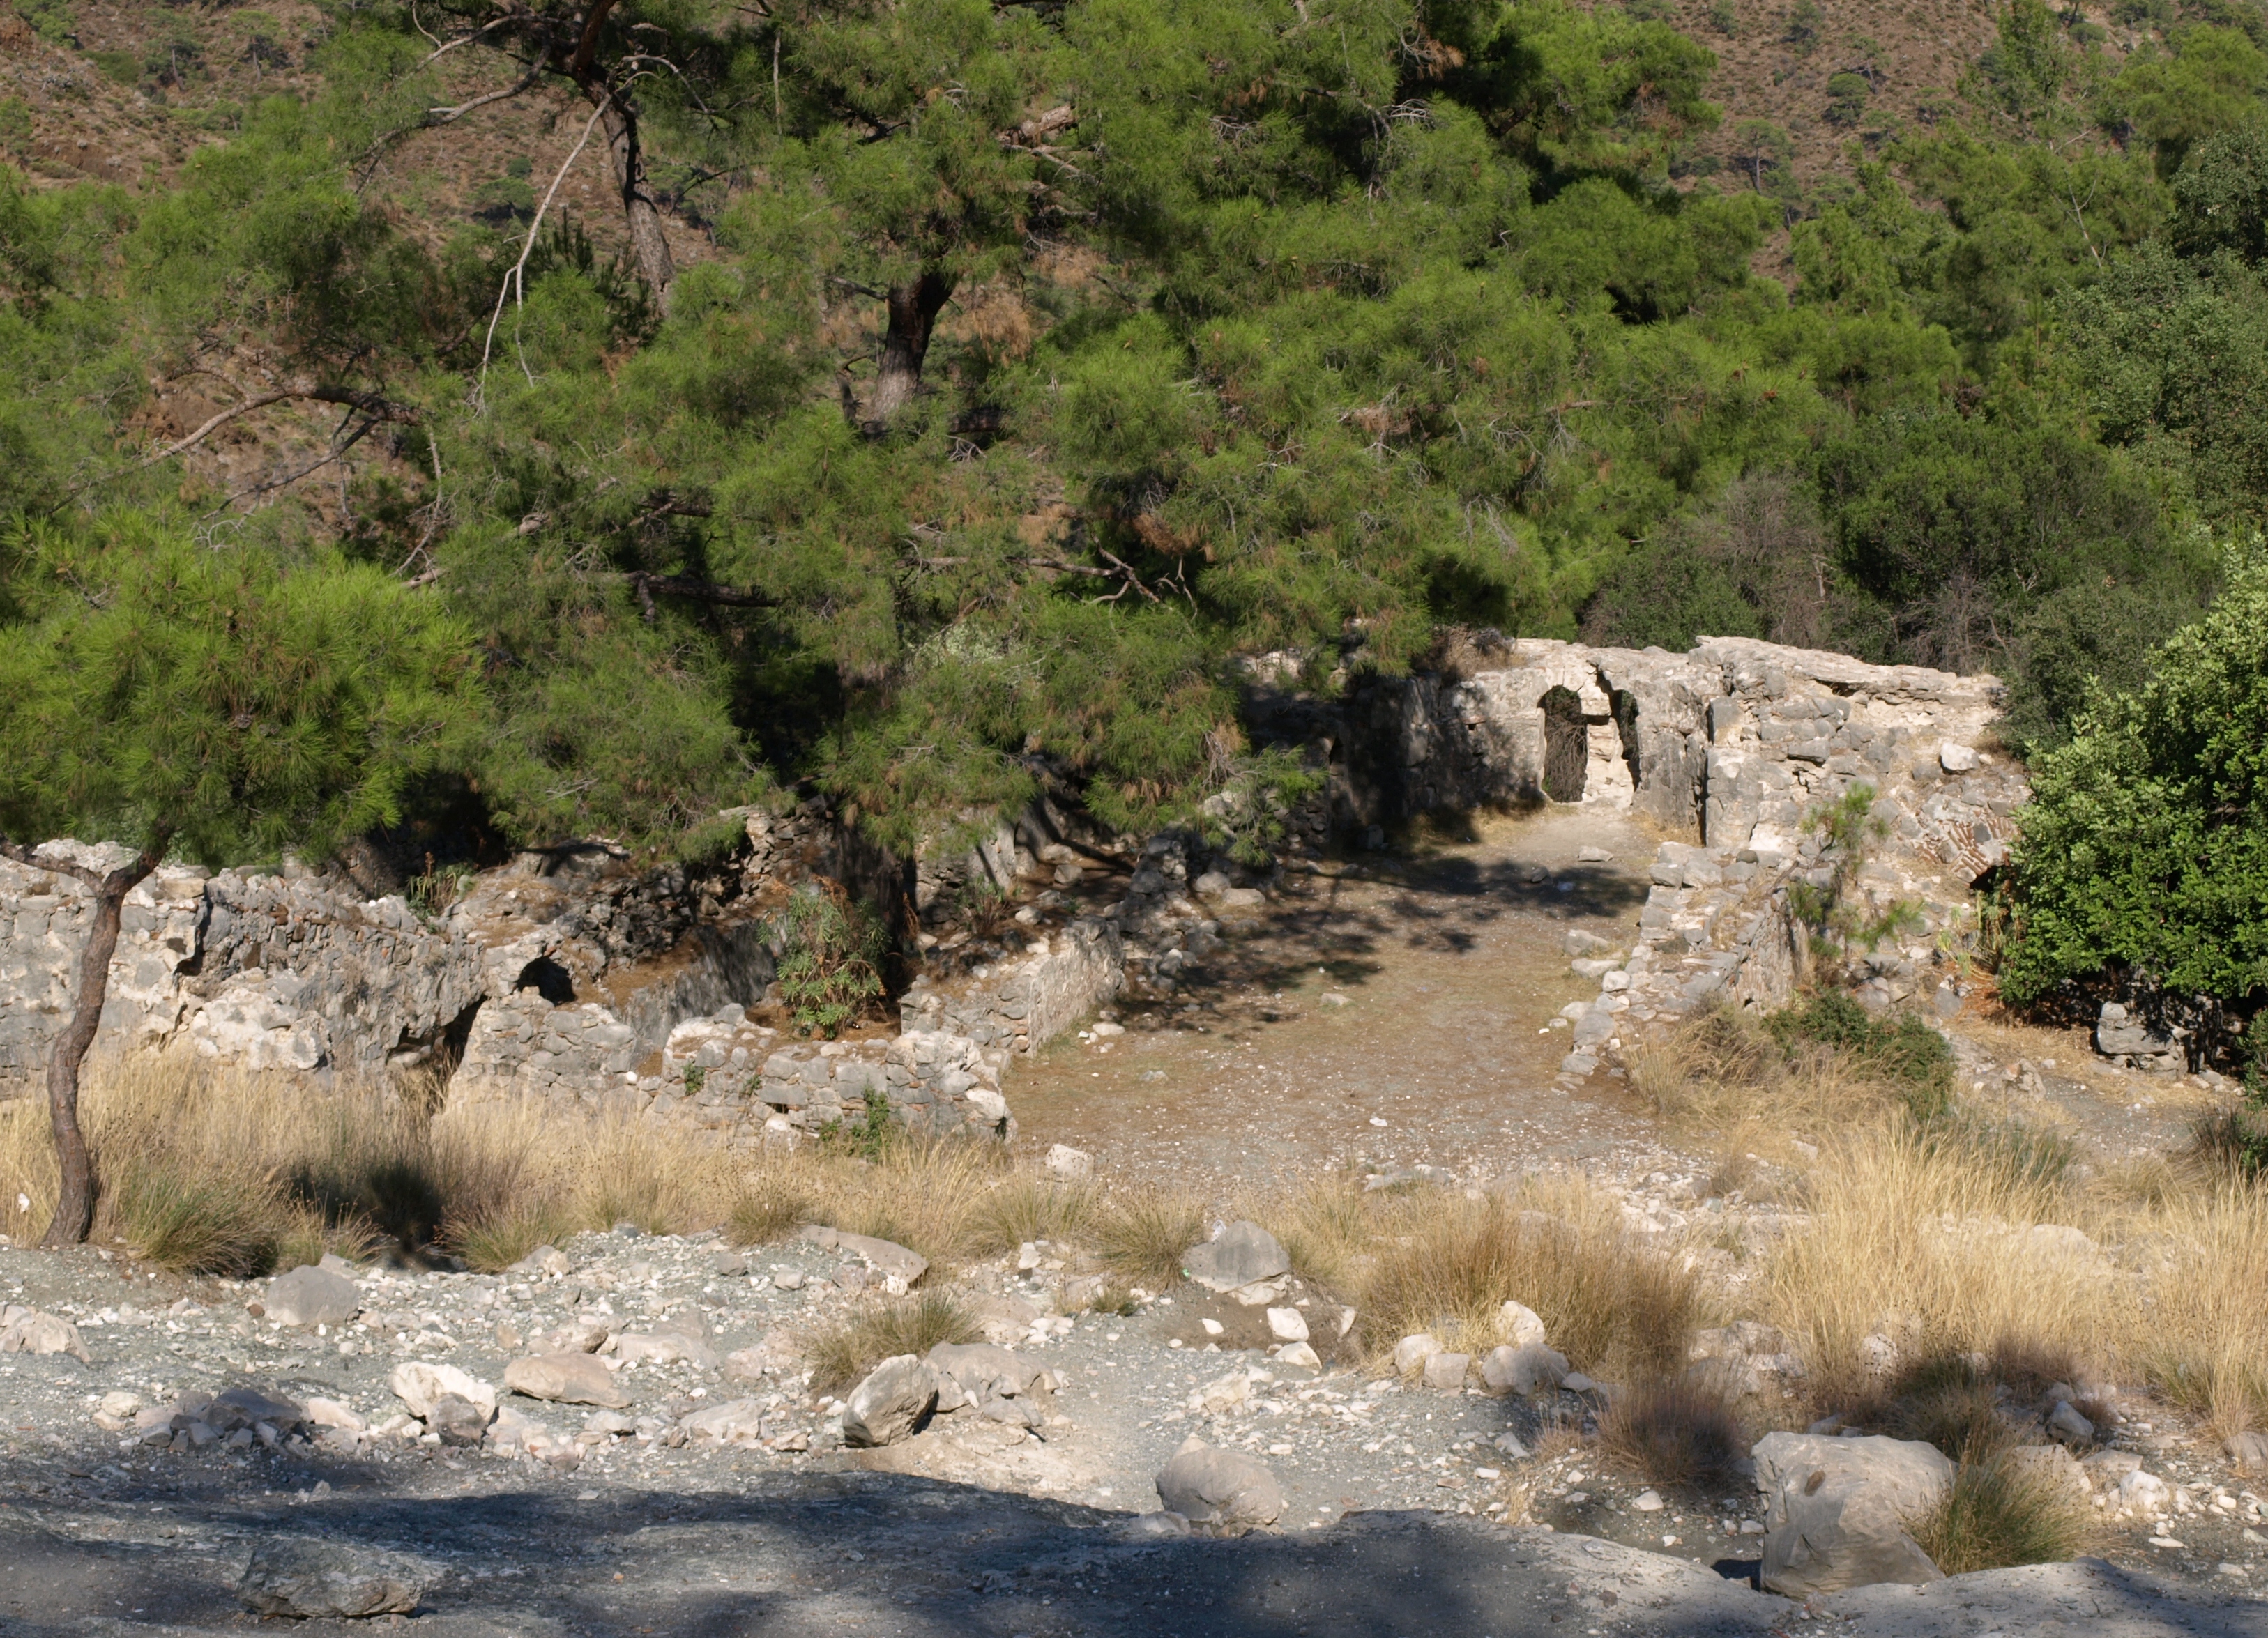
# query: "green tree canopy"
2145,847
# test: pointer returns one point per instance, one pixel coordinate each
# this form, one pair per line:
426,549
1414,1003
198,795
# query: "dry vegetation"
1991,1266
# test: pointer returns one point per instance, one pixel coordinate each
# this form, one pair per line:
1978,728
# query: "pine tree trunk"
649,248
74,1218
913,309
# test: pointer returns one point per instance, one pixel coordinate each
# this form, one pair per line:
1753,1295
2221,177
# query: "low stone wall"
1717,927
1020,1004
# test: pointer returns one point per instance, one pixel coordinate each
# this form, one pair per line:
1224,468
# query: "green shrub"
2145,847
1903,1050
830,970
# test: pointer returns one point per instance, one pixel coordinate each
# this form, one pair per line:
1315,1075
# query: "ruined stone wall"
1020,1004
1714,743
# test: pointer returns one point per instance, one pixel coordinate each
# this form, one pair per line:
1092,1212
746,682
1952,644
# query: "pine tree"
215,703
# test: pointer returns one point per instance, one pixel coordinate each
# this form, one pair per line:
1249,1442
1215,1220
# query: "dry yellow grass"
2201,1315
1446,1263
1723,1074
1932,1244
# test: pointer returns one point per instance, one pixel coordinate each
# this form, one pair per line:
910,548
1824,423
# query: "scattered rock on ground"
1835,1511
566,1379
1225,1489
28,1331
891,1403
1242,1255
419,1384
310,1580
308,1296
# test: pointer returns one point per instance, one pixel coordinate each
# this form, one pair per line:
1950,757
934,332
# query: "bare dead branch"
371,404
518,275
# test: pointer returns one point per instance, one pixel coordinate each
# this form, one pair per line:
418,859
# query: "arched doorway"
1567,745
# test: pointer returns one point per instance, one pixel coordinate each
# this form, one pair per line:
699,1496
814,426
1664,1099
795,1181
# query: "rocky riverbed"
131,1498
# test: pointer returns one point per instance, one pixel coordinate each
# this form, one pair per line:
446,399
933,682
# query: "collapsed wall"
1730,748
567,976
1712,743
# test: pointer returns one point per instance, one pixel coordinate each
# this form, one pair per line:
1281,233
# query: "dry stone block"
418,1384
309,1579
1835,1511
891,1403
565,1379
309,1296
1243,1254
1225,1490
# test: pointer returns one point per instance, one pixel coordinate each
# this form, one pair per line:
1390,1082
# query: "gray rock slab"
309,1579
1242,1254
310,1296
1222,1488
566,1379
884,1257
891,1403
1835,1511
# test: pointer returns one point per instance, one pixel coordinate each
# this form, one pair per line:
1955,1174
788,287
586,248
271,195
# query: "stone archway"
1567,745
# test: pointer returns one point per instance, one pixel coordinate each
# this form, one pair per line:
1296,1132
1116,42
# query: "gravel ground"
968,1527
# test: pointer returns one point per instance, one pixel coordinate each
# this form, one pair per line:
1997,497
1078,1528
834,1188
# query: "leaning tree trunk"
649,247
913,309
74,1218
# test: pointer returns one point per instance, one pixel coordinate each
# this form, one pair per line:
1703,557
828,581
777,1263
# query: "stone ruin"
566,975
569,975
1727,749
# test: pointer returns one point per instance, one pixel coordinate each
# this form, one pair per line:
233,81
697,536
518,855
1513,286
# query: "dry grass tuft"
1673,1432
1026,1206
844,1353
1325,1225
1143,1234
1929,1244
1996,1516
1446,1264
2205,1327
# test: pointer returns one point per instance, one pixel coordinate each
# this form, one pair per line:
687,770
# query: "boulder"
28,1331
892,1402
1287,1325
1956,758
665,1347
308,1296
2118,1034
577,1336
1446,1370
1522,1370
1225,1490
2249,1451
985,1372
1298,1354
2067,1426
459,1422
1412,1353
1241,1254
1835,1511
309,1579
324,1412
2141,1493
418,1384
565,1379
891,1261
1523,1326
248,1407
739,1421
1074,1166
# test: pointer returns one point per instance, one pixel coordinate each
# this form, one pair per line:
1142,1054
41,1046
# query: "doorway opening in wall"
548,979
1567,745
